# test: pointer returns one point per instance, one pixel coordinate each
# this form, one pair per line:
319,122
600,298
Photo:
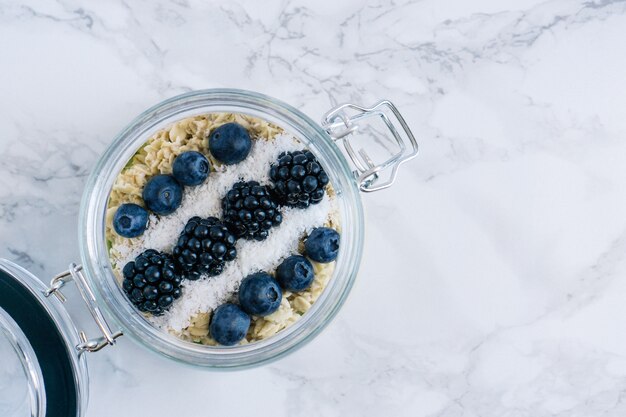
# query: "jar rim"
94,253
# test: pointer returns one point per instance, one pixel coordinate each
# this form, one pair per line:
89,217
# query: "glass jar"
95,279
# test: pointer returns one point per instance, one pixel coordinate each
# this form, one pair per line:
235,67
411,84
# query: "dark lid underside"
46,340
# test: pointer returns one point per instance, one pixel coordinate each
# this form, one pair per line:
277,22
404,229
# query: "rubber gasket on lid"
46,340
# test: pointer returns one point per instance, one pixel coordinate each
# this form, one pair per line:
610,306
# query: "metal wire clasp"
339,125
74,273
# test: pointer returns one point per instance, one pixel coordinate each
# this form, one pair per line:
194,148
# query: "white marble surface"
493,281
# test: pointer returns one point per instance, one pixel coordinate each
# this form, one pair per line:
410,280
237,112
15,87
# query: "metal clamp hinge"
74,273
340,125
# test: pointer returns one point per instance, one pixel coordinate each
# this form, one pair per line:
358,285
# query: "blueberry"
260,294
230,143
130,220
191,168
322,245
229,324
295,273
163,194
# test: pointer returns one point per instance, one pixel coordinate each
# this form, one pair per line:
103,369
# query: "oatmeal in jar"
223,229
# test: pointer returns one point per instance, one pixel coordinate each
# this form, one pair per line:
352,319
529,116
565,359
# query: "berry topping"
295,273
250,211
230,143
162,194
260,294
191,168
298,179
322,245
152,282
229,324
130,220
203,247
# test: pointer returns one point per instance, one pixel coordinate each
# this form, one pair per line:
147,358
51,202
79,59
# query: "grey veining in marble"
494,274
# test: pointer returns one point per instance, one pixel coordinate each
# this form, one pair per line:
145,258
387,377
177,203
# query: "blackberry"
152,282
203,247
298,179
250,211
